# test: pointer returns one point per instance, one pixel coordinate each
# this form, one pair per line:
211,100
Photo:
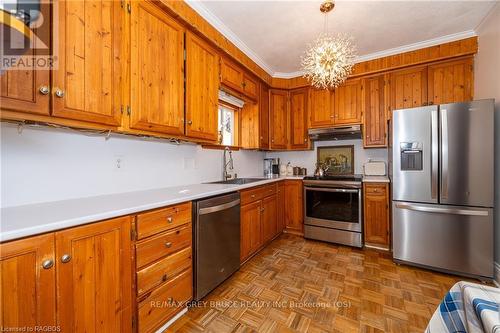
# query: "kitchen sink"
238,181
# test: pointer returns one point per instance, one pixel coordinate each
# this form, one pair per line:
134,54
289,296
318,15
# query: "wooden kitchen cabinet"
264,118
294,211
321,110
376,215
280,196
251,235
231,74
299,104
278,115
87,83
250,86
375,122
348,107
408,88
202,89
94,288
269,218
451,81
157,70
28,297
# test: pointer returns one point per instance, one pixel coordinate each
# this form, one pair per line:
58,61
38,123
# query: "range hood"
335,133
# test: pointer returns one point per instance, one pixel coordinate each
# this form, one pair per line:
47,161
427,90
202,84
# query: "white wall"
487,85
45,164
307,159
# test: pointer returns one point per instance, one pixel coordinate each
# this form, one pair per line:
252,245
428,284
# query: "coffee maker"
271,166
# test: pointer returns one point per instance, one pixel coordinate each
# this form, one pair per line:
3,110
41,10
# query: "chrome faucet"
227,164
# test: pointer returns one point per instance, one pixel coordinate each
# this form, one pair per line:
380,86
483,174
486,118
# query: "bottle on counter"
282,169
289,169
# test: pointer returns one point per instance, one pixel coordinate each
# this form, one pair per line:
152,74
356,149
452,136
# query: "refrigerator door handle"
444,154
434,153
453,211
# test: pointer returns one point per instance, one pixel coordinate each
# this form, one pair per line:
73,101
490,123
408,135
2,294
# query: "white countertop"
376,179
21,221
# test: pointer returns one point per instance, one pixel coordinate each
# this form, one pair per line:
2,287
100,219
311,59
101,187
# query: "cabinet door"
269,218
202,89
231,75
348,103
321,108
298,119
376,215
375,122
409,88
20,89
94,286
451,82
87,82
28,297
279,118
251,237
294,217
264,117
250,86
157,75
281,207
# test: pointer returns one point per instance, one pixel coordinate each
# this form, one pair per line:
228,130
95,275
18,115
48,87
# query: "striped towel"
468,308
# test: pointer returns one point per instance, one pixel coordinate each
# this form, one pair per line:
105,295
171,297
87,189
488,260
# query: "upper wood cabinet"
250,86
278,115
28,283
94,289
87,82
249,132
451,81
348,103
23,90
157,73
238,79
409,88
321,109
299,103
375,122
264,118
376,214
202,89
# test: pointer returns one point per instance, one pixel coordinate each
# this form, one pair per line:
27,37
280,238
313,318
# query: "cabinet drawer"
165,302
159,246
163,219
375,189
163,270
254,194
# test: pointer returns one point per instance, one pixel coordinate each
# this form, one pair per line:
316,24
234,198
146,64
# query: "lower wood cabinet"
269,218
376,215
78,279
294,210
251,236
280,194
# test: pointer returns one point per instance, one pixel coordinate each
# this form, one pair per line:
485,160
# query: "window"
227,125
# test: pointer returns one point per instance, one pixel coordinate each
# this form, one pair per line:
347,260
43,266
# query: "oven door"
333,208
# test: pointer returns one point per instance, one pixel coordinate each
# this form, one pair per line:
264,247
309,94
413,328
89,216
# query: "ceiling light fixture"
329,61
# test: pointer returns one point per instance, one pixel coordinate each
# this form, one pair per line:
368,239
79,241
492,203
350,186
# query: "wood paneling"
202,89
94,287
264,117
451,81
157,94
19,89
321,108
294,216
376,214
269,218
251,234
348,103
27,289
278,111
375,122
89,62
408,88
299,104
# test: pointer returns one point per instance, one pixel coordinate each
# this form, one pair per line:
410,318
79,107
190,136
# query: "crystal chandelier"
329,61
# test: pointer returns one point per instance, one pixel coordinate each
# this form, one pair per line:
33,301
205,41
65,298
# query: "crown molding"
200,8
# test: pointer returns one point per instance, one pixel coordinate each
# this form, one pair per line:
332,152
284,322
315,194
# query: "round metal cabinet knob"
44,90
168,244
170,220
59,93
46,264
65,258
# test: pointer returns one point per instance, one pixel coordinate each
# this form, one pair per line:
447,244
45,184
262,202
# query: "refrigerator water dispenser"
411,156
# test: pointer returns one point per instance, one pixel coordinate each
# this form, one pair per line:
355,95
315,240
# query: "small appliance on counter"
276,166
268,167
374,168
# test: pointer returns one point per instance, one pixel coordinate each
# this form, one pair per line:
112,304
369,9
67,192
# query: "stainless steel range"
334,209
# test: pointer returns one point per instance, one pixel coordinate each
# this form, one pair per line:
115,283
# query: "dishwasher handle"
213,209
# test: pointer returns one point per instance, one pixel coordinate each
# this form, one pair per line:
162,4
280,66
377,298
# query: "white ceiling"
275,34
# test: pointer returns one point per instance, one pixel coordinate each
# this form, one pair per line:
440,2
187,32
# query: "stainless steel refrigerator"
443,187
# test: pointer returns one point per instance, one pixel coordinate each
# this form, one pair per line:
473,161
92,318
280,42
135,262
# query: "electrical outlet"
119,162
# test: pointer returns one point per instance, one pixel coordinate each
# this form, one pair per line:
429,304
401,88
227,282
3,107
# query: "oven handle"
326,189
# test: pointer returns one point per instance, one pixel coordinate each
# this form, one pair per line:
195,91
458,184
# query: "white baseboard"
497,275
171,321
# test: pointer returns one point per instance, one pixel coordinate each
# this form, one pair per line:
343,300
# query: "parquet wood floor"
319,287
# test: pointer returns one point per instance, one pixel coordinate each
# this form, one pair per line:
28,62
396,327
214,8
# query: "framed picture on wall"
338,160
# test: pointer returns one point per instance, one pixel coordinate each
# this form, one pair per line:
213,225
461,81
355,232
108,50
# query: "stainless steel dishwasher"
217,241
